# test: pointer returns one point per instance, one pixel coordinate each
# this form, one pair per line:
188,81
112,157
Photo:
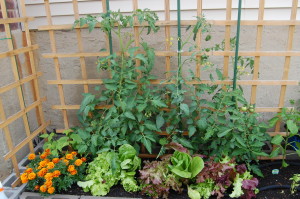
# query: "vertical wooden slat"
27,55
136,31
287,61
227,38
80,47
8,139
56,63
32,69
137,44
198,40
258,48
106,37
167,38
15,72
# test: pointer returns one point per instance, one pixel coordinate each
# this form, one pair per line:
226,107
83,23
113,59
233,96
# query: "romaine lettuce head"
186,166
128,158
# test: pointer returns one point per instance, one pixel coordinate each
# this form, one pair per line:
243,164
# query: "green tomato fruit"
251,110
244,108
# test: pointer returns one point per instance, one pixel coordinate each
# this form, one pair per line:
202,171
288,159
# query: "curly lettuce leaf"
100,175
86,185
130,184
237,187
201,190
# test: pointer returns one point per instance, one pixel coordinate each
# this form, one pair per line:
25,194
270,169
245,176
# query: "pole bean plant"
219,120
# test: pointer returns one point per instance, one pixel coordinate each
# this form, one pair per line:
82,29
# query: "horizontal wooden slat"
277,133
162,81
191,22
26,140
185,133
75,107
20,82
280,157
174,53
21,113
144,155
18,51
16,20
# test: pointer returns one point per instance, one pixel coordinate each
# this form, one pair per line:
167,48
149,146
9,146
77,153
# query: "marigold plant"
48,174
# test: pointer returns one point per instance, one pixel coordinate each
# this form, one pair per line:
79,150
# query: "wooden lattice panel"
17,85
166,24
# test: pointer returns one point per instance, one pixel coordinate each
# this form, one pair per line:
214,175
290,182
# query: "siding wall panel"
62,10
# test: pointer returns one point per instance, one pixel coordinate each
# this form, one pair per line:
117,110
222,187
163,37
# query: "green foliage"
135,106
295,183
292,120
57,144
108,168
209,112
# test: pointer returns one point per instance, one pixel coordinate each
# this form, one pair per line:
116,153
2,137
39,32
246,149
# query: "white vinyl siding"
62,10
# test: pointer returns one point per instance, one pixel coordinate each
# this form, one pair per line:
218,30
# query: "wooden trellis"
167,23
19,81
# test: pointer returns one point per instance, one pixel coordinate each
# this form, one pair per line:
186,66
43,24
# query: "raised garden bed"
75,192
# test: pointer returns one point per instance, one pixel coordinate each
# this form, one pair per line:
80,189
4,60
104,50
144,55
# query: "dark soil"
283,178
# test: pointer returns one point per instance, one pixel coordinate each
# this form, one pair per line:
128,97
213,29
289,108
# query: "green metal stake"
179,50
237,45
109,34
179,38
4,38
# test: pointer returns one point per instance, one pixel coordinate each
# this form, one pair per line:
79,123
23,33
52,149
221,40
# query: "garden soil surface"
283,178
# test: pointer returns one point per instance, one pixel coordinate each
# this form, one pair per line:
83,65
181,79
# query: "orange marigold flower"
42,172
66,162
37,187
47,160
43,163
71,168
73,172
78,162
74,153
69,156
24,178
49,176
43,156
56,173
43,188
31,176
31,156
83,159
51,190
55,160
47,151
48,183
50,165
29,170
